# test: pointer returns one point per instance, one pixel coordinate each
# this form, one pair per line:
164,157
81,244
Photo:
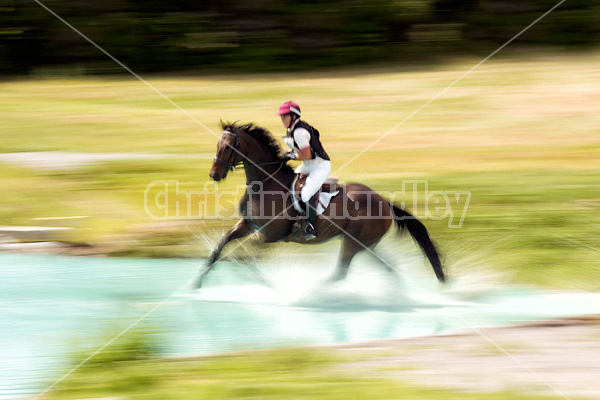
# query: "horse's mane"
263,136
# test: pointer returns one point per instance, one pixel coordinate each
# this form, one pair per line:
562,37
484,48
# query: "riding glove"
288,156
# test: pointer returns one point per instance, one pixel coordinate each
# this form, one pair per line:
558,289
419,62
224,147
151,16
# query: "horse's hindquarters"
370,214
356,212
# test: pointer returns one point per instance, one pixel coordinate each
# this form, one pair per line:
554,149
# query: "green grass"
519,134
129,369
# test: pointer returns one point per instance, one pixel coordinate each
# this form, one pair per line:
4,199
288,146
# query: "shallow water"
53,305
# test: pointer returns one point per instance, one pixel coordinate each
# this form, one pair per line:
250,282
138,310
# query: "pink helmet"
289,107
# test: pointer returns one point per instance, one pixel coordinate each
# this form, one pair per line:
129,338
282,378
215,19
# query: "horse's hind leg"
348,251
239,230
385,263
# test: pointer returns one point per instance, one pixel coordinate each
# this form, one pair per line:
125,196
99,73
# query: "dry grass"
520,134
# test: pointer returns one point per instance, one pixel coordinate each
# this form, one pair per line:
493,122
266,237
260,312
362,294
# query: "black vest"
316,148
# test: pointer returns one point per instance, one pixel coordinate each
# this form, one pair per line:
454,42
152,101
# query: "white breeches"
317,174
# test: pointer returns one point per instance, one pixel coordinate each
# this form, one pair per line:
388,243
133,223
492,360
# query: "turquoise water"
52,305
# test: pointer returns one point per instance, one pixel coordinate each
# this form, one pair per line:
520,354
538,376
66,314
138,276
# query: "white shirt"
302,138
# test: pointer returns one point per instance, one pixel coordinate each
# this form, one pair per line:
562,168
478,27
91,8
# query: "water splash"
297,276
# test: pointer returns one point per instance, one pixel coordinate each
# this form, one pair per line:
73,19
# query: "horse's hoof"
335,279
327,283
197,284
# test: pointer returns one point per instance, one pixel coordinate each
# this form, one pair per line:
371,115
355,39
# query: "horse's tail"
417,230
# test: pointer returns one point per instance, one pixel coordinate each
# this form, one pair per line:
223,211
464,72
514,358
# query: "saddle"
330,185
329,188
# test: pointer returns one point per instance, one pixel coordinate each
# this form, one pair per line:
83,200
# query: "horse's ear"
223,123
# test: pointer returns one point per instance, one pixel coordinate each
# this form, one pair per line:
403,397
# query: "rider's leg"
317,174
310,232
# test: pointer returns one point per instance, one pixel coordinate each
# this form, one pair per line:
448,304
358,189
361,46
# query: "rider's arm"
304,154
302,138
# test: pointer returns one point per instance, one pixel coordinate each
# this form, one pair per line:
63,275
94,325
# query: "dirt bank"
560,358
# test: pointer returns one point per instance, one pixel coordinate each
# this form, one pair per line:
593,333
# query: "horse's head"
249,144
227,157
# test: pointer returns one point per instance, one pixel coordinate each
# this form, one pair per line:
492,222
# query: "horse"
358,214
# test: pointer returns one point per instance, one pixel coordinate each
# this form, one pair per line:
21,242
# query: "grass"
519,133
129,369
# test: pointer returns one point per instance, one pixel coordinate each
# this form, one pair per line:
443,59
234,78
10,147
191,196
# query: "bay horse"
357,213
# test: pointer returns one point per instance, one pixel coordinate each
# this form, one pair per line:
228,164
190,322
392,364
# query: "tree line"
275,35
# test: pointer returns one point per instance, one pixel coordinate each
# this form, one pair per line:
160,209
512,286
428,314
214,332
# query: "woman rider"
306,147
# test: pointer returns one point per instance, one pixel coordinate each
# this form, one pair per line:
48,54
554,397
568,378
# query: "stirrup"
310,233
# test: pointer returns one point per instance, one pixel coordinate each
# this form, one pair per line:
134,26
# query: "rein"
268,178
231,166
272,162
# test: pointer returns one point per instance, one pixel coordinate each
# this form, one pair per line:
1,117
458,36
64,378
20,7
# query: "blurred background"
81,140
277,35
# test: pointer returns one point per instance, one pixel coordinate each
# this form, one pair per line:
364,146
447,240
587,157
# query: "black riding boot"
310,232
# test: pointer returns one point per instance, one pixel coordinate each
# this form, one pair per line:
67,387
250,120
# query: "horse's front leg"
239,230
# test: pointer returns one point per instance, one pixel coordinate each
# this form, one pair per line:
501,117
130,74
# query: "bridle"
231,162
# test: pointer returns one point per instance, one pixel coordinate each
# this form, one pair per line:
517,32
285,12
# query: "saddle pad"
324,200
322,204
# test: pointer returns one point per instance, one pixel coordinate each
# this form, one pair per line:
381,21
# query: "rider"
306,147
